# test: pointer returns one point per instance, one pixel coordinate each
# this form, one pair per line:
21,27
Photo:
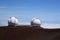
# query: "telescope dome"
12,21
36,22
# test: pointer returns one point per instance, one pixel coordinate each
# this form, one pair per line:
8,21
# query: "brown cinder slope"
28,33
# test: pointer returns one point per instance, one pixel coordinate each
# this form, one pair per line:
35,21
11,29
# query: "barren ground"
28,33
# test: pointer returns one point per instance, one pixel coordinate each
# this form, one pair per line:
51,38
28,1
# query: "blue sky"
47,10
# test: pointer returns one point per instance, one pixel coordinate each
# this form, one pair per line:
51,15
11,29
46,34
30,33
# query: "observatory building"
36,22
12,21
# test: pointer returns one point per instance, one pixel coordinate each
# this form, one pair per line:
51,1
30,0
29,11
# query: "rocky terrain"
28,33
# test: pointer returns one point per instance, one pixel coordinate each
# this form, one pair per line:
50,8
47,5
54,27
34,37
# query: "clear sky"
47,10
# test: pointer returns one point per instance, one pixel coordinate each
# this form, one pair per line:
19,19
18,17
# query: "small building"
12,21
36,22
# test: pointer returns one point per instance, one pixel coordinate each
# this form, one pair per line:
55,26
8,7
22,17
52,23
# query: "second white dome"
36,21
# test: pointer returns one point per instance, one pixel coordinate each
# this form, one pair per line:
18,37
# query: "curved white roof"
36,21
13,20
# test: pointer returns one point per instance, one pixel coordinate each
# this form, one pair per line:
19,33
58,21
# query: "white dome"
36,21
12,21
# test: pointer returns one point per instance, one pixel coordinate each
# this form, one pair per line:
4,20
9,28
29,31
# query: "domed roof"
13,20
36,21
